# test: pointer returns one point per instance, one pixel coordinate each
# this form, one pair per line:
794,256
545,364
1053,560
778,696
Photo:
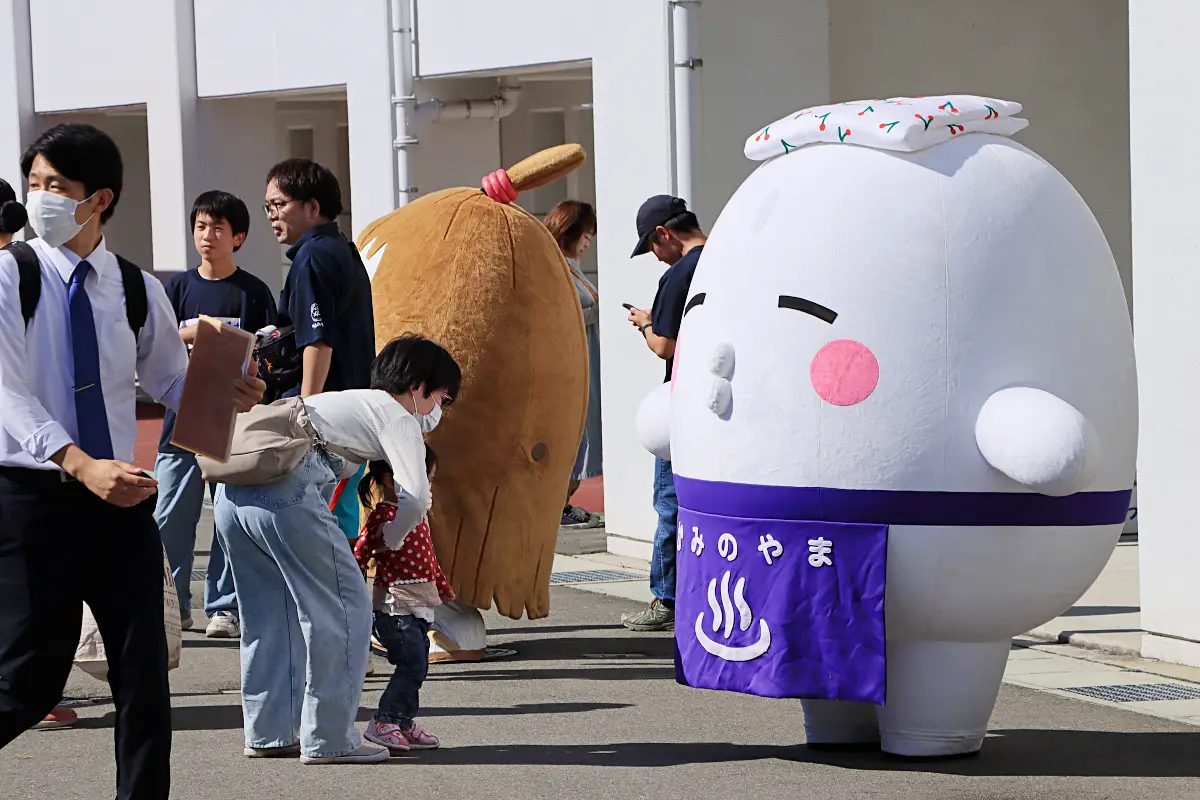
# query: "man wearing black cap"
666,228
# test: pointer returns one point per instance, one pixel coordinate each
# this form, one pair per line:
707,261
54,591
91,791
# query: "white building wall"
75,39
248,46
1065,61
17,120
481,35
762,59
1166,249
171,126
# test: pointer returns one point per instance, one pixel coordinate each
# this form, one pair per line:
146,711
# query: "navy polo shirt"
327,297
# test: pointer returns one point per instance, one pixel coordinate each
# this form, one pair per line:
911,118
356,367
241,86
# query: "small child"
408,585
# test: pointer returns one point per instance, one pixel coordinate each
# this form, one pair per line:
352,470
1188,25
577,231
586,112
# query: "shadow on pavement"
1030,752
565,673
229,717
571,648
1099,611
1009,753
365,714
536,629
202,642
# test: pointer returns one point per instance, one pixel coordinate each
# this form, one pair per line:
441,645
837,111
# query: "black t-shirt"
327,297
241,300
667,313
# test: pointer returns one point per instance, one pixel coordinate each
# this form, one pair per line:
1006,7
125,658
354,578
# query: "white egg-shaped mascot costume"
903,419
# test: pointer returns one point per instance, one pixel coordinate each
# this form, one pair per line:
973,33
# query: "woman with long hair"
572,223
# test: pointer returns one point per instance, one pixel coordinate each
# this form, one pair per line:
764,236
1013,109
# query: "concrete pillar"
369,111
171,130
630,90
17,121
196,145
1166,292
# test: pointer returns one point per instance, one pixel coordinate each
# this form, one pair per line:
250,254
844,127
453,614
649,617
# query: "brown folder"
220,355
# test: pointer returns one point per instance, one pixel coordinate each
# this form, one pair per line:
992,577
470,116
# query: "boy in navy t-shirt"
217,288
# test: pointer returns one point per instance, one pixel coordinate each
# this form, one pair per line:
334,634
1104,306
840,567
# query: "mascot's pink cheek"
844,372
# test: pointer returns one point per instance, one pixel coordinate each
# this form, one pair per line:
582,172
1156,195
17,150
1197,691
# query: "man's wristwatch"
643,328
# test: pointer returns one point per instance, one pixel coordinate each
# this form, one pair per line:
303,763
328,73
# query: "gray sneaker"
654,617
223,625
576,517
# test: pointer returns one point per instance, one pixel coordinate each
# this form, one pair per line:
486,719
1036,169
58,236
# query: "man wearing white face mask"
67,429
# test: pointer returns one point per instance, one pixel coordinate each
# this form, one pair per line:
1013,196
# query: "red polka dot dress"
412,566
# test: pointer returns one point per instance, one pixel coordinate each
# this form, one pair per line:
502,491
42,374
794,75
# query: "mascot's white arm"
1038,440
654,422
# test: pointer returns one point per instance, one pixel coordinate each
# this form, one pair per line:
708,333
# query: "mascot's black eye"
698,300
807,307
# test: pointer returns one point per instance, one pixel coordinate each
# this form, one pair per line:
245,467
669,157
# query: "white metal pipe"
497,107
403,98
685,61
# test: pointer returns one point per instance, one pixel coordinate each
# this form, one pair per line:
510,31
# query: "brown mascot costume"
482,276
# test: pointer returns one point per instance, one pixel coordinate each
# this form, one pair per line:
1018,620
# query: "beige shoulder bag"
268,442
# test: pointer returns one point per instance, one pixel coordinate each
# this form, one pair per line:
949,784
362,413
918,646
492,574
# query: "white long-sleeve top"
371,424
37,398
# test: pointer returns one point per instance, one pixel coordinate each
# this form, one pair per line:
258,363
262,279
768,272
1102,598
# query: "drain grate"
199,574
1131,693
594,576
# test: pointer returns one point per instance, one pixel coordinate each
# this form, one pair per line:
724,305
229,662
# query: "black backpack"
30,271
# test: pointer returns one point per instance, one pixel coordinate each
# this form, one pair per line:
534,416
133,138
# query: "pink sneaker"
419,739
386,734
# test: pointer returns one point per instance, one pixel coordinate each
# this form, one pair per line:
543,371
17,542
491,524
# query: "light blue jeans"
180,496
305,609
662,558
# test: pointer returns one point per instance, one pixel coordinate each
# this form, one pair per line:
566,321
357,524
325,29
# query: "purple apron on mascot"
780,590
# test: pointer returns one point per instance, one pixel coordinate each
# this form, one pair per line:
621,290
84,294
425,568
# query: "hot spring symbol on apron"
780,590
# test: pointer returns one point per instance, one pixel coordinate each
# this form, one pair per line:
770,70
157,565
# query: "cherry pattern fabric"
414,562
906,124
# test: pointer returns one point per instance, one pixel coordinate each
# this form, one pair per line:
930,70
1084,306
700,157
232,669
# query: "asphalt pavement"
586,710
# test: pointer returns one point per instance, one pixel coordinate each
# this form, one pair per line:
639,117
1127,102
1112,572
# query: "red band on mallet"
498,187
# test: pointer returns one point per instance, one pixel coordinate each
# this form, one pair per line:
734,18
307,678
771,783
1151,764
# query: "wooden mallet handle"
538,170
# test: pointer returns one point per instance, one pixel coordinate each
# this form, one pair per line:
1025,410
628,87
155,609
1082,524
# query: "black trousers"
60,546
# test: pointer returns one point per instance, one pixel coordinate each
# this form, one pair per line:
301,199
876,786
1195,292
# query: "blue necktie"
90,414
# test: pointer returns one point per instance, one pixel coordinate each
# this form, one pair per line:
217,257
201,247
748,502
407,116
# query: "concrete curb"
1095,642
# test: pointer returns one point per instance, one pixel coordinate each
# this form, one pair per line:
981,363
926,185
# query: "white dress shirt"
37,399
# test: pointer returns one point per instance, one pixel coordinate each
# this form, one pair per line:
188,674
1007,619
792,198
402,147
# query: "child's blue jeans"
407,641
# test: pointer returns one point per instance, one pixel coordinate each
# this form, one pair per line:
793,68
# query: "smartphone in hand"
627,306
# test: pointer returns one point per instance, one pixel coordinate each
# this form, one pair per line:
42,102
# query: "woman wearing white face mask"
572,223
305,610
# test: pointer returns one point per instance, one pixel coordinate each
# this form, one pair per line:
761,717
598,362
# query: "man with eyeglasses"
326,295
